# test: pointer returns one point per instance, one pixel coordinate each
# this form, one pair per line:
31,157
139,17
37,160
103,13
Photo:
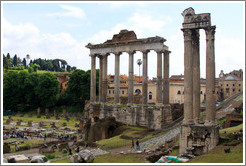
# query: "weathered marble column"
104,78
196,76
210,76
130,78
166,78
145,79
159,79
93,79
100,78
188,79
117,79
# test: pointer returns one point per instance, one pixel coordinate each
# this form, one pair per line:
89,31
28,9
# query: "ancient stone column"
188,80
93,79
210,76
196,76
166,78
130,78
159,78
145,79
104,78
117,79
100,78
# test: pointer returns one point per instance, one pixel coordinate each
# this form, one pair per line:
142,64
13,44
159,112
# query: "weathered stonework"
127,41
197,138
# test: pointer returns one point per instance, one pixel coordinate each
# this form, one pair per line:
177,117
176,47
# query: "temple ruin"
197,138
126,41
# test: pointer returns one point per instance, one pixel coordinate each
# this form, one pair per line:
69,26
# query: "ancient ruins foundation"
126,41
197,138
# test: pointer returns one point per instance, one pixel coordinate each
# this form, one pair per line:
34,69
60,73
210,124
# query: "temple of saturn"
154,117
197,138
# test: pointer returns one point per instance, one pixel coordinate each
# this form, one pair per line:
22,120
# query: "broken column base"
197,139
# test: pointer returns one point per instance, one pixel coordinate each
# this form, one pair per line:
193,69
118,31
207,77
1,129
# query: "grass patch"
119,158
221,121
67,160
217,155
119,141
49,155
231,129
27,143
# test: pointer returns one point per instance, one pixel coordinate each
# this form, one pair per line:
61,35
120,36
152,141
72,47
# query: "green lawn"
67,160
217,155
34,118
119,141
119,158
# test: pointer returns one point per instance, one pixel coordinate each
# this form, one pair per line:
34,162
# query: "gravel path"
161,139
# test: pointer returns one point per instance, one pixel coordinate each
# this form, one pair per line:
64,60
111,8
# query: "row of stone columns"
162,83
192,76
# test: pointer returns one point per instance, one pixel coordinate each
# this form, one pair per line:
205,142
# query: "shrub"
49,155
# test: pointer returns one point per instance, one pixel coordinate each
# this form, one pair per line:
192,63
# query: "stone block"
18,159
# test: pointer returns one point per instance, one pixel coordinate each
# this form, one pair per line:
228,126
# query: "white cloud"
70,11
25,39
144,25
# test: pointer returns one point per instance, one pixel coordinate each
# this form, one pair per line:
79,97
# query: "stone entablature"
153,43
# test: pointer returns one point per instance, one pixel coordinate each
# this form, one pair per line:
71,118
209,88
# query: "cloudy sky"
61,30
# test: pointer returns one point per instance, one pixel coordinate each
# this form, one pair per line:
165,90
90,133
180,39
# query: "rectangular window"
122,92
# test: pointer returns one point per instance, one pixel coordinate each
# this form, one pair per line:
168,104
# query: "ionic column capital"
145,51
117,53
131,52
93,55
159,51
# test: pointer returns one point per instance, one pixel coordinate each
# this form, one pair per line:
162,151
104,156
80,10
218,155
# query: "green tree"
24,62
79,87
31,83
8,56
47,90
35,67
6,62
15,61
10,91
68,68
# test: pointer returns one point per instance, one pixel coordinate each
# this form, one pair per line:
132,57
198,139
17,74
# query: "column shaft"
166,78
196,76
130,79
117,79
145,79
210,77
100,79
93,79
188,77
104,78
159,78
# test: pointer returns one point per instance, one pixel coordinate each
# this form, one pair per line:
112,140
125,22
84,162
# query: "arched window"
201,92
150,95
109,91
138,91
179,92
239,90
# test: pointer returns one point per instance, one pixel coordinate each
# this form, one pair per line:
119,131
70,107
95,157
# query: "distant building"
230,83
